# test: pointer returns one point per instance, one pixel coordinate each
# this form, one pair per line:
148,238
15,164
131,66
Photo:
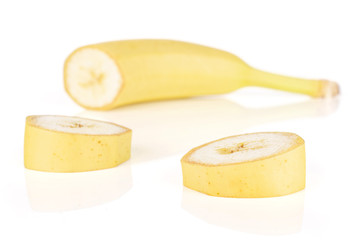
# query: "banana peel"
108,75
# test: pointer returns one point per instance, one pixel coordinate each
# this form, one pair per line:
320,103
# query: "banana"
108,75
252,165
72,144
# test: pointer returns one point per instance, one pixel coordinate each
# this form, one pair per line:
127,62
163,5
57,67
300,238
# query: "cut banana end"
72,144
247,166
329,89
92,78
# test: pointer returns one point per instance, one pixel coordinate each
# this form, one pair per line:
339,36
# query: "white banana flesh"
243,148
93,77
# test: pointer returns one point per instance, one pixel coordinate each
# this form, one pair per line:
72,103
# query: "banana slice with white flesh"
73,144
251,165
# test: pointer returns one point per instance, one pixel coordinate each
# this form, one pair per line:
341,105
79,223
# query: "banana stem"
314,88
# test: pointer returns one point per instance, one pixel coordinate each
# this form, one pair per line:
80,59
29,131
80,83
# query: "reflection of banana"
249,165
266,216
52,192
108,75
72,144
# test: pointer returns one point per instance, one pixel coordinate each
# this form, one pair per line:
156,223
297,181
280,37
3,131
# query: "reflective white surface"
161,129
144,198
264,216
55,192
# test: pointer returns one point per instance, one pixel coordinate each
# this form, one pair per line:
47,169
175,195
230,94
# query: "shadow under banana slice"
265,216
164,128
54,192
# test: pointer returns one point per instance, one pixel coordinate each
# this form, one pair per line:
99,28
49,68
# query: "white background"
144,197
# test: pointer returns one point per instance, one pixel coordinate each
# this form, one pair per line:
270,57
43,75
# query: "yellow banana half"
108,75
72,144
252,165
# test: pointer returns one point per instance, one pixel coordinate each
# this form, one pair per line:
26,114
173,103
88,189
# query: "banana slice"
252,165
72,144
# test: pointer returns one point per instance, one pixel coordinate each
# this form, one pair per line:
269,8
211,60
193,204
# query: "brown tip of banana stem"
329,89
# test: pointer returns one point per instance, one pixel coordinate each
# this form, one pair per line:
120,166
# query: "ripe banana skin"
72,144
247,166
108,75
